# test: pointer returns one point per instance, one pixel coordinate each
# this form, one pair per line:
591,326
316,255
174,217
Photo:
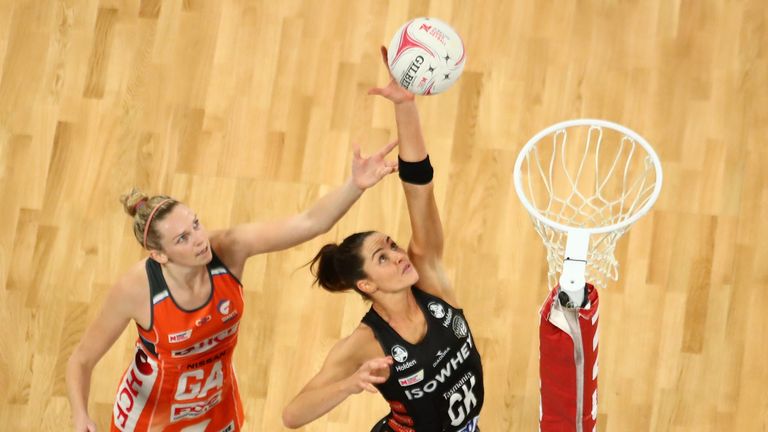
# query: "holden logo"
399,353
436,309
459,327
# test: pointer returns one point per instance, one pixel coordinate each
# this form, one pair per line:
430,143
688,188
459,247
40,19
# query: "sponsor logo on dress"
134,389
205,362
440,354
448,317
411,379
461,403
193,389
460,327
202,320
399,353
436,309
445,375
180,337
404,366
195,409
206,344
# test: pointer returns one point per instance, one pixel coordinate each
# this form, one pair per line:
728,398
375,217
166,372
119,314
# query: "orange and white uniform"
182,377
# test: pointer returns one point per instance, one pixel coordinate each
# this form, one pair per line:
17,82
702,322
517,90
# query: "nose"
399,256
199,239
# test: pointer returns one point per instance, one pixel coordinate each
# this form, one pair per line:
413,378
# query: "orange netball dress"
182,378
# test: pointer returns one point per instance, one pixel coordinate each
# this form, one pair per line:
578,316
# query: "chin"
414,277
195,260
206,257
413,280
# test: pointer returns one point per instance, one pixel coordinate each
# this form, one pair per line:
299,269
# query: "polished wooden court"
246,110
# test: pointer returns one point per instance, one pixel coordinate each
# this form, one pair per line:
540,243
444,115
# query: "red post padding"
564,369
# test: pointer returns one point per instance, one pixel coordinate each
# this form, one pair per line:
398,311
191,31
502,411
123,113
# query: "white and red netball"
426,56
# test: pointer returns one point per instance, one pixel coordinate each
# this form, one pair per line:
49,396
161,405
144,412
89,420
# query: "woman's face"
386,264
183,238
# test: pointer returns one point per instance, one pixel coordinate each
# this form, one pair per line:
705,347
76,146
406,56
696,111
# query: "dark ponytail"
338,267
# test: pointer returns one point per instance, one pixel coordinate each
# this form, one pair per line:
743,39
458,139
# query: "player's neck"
186,277
398,308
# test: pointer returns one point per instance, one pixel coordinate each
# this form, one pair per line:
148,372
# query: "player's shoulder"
361,335
222,238
361,344
349,352
224,244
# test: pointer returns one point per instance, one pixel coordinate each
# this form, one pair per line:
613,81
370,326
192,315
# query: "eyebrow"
179,235
185,231
377,250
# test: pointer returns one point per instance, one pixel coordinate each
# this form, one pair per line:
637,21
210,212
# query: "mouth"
407,268
202,252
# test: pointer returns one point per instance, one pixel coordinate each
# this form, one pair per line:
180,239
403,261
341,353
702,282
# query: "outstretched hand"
367,171
391,91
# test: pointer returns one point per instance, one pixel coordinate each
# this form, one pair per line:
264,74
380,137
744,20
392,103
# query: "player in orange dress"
187,301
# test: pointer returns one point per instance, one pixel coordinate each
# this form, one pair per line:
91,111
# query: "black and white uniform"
436,384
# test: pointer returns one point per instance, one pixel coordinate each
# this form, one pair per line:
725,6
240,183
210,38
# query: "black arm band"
419,173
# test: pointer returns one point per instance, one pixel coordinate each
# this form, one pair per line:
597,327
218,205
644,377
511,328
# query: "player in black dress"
414,345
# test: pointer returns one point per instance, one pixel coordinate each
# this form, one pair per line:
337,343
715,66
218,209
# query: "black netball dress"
436,384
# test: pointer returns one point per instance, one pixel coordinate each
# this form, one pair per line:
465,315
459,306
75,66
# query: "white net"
587,174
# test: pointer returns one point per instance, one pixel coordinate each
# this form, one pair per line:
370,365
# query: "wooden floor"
246,110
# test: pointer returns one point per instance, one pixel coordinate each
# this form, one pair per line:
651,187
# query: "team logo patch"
229,317
399,353
436,309
460,327
411,379
224,307
180,337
